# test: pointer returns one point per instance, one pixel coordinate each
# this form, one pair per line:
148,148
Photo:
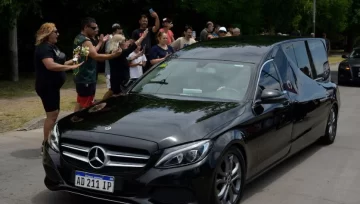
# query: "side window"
319,56
302,58
269,78
286,72
289,50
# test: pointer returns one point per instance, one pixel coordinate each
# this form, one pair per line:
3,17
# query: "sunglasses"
94,28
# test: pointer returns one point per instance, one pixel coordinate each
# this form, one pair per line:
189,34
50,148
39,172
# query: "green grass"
26,86
19,102
335,59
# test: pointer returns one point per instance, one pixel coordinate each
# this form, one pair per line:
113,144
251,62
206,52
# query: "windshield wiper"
144,94
158,82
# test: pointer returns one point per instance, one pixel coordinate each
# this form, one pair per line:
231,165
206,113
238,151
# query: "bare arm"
53,66
69,62
98,46
135,64
99,57
155,61
157,22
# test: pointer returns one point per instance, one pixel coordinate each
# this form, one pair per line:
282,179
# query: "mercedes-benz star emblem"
97,157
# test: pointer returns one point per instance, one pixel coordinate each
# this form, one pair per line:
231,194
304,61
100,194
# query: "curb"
38,122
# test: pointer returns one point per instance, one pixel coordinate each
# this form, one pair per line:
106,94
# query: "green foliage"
11,9
332,15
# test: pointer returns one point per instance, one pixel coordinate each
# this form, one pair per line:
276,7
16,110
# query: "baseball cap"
116,25
223,29
167,20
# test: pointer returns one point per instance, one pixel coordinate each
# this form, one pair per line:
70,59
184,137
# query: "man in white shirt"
137,64
184,41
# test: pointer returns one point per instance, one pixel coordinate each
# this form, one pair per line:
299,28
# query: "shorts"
108,84
86,94
50,98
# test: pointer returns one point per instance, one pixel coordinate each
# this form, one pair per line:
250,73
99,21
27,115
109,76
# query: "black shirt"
45,77
119,66
136,34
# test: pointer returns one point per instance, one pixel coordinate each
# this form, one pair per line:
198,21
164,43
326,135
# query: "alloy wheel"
332,124
228,180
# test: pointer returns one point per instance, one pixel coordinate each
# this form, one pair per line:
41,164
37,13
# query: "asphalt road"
317,175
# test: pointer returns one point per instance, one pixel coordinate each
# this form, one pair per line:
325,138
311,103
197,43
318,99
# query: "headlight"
53,139
184,154
344,66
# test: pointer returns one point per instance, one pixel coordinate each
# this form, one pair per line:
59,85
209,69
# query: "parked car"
200,125
349,69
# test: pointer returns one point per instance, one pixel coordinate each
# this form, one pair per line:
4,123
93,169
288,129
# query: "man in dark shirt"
147,42
85,75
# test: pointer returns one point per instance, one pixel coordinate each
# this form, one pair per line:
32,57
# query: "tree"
10,10
354,24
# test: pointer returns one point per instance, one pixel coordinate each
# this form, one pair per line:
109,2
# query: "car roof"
240,48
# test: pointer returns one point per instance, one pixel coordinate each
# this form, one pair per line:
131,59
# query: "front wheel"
229,177
331,127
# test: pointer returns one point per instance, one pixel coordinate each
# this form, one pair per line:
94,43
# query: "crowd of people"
124,58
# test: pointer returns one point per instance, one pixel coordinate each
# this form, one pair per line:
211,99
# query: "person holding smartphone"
147,42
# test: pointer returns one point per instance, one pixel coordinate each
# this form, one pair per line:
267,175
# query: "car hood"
167,122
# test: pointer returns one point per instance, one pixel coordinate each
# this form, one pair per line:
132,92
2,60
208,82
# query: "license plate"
94,181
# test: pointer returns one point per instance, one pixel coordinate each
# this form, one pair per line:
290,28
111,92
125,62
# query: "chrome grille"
356,71
115,158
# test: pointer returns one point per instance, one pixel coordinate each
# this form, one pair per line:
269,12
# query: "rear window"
198,78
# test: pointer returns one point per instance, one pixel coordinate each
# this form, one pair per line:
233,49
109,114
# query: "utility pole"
314,17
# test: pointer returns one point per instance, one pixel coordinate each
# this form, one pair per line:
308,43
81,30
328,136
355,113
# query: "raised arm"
100,57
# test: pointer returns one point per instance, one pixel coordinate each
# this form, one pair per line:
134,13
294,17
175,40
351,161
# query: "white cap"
222,29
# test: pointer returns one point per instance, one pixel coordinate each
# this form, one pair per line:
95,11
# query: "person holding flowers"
50,67
85,75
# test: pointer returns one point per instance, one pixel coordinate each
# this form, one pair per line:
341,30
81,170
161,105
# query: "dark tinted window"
319,56
287,74
289,50
269,79
302,58
355,53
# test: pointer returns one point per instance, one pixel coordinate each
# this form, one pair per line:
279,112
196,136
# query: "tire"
222,183
331,127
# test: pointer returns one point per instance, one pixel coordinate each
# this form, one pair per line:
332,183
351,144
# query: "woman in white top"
137,64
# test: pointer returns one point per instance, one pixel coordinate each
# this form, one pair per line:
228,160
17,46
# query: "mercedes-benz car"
349,69
199,125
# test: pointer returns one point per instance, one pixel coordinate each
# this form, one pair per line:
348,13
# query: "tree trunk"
13,47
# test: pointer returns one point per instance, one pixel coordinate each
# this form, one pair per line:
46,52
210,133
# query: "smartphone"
151,11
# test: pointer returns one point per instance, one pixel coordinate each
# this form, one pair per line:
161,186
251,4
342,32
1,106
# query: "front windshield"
198,78
355,53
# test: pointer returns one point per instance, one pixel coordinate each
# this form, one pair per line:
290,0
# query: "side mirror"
345,56
272,96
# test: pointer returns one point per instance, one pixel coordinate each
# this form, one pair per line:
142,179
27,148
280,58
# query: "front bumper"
183,185
351,75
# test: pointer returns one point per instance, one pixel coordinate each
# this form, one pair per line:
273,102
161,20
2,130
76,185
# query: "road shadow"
262,182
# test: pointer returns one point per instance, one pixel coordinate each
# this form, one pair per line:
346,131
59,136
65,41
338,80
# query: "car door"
309,98
274,120
321,69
